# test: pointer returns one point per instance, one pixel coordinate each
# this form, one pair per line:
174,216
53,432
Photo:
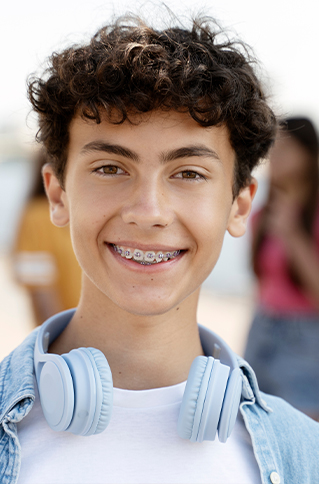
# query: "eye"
109,170
190,175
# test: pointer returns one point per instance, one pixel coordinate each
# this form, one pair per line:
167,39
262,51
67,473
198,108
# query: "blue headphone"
76,389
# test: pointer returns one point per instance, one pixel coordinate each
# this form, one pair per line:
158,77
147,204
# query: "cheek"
88,215
209,228
207,220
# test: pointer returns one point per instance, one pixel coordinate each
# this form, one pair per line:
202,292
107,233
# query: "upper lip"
151,247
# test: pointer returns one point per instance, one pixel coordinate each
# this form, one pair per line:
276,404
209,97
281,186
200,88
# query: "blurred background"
284,36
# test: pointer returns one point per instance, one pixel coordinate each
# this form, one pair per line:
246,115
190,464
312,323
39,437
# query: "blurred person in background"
283,343
43,258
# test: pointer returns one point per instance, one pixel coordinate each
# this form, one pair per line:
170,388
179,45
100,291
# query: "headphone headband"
76,389
212,344
48,332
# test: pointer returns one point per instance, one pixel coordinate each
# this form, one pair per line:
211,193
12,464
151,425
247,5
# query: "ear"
241,209
57,197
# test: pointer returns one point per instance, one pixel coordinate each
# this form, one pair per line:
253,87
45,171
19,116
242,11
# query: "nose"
148,206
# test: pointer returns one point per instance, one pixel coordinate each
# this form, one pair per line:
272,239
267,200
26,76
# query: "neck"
143,351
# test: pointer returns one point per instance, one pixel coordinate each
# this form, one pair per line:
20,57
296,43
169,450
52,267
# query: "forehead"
151,134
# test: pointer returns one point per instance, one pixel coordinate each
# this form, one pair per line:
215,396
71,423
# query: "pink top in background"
277,292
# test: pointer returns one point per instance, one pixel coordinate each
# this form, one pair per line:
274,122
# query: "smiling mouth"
146,257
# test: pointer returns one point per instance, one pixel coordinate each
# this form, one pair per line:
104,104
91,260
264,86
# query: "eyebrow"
188,152
198,150
109,148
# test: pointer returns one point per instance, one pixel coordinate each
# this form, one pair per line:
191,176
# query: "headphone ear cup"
55,386
231,405
185,425
88,390
203,399
104,409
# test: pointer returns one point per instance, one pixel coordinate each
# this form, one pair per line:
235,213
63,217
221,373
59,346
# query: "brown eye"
189,174
110,169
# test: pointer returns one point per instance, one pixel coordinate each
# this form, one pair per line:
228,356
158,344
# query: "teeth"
128,254
159,257
147,257
138,255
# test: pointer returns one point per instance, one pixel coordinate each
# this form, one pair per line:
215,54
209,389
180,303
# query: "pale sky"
283,33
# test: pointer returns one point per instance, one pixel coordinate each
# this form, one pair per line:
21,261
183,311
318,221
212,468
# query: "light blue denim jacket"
285,442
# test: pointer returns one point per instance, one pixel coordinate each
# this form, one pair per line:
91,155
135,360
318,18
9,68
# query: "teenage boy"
152,137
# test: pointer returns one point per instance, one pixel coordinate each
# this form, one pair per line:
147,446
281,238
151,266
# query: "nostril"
147,215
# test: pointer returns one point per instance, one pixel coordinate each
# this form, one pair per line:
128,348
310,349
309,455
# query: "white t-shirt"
140,446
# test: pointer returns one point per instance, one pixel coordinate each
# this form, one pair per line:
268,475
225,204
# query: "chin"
147,306
151,309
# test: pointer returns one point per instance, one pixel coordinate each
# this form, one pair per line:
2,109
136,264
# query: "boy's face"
162,185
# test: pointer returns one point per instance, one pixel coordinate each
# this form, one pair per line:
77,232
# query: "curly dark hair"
129,67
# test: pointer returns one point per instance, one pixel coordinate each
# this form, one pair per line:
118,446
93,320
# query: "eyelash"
198,176
100,171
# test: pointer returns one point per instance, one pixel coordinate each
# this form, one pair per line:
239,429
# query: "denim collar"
250,391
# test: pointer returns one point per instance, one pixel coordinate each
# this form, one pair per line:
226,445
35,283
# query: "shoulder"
17,378
285,441
296,437
289,417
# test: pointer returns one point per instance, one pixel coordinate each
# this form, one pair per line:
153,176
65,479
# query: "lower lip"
158,267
